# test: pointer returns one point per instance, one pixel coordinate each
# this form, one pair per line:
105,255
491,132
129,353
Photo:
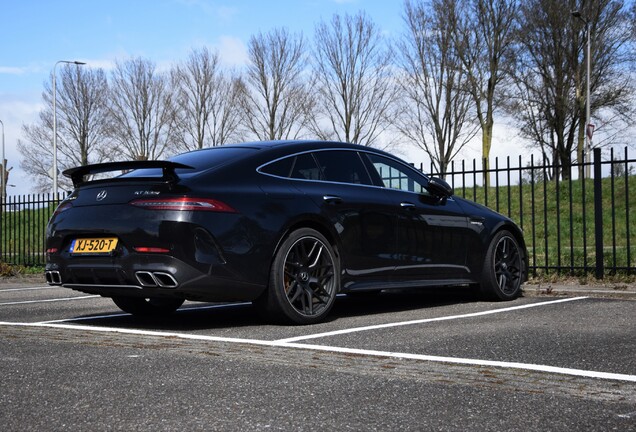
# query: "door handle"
332,199
407,205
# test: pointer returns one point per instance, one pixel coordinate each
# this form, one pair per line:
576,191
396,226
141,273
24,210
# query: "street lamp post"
588,116
55,121
4,187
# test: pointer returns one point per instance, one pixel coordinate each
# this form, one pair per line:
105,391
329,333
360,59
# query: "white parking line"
426,320
49,300
370,353
28,289
120,314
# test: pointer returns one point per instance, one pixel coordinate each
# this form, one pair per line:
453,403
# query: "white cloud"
232,51
12,70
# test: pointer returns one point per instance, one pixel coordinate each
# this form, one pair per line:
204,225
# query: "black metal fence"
573,224
23,220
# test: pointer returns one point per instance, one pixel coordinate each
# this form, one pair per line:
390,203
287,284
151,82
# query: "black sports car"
285,224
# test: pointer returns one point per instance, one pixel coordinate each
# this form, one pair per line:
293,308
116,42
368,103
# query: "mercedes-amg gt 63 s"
287,225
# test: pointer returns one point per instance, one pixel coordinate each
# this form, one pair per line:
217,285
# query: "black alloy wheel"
503,268
140,306
304,279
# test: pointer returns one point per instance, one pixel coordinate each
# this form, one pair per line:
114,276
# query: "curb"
618,291
22,280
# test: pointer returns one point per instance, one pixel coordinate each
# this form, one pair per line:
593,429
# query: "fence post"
598,214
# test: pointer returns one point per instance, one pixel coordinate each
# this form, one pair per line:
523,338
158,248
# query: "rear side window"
342,167
280,168
299,167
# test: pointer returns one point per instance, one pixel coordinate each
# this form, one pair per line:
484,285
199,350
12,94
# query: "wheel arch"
316,224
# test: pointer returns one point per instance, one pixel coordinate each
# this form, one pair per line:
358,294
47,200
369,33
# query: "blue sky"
37,33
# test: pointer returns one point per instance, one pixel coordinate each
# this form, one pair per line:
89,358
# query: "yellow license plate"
93,245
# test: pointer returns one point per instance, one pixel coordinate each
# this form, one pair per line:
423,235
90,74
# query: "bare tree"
207,101
436,112
485,32
82,127
354,80
142,111
550,73
633,21
276,102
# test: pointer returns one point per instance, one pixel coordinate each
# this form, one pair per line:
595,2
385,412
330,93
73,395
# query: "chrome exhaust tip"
146,279
149,279
165,280
53,277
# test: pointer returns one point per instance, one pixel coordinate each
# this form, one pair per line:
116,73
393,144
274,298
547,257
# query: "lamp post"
55,121
588,116
4,187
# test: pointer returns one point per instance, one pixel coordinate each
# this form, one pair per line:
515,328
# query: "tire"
140,306
304,279
503,268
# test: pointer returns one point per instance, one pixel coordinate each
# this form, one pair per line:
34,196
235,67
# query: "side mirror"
439,188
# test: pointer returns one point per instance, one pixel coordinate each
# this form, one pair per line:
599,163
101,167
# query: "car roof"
292,146
262,152
296,143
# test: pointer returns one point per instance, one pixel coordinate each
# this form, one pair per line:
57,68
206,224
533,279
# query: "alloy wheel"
507,265
309,282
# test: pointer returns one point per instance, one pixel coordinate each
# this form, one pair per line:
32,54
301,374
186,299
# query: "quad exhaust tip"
53,277
150,279
145,278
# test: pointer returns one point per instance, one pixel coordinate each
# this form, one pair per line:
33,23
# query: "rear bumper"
193,264
147,275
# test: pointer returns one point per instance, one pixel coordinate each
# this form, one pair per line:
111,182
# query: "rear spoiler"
77,174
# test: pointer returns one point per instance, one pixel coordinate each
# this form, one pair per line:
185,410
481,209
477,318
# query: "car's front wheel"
140,306
502,273
304,279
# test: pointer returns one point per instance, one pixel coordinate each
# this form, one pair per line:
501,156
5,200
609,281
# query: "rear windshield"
200,160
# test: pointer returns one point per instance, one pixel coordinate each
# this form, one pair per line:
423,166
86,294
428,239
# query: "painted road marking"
426,320
363,352
28,289
49,300
120,314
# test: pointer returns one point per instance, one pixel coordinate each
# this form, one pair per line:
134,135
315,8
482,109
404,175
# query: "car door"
432,233
360,213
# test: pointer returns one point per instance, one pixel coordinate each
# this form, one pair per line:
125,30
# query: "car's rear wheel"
503,268
140,306
304,279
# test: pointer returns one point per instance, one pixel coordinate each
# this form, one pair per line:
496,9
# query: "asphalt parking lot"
432,360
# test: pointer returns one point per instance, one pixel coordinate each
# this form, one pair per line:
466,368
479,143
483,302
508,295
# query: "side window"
305,168
279,168
396,176
342,167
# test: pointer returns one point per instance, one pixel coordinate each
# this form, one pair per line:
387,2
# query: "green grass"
573,224
24,235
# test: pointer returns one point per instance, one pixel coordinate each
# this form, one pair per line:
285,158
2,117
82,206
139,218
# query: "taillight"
62,207
184,204
144,249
